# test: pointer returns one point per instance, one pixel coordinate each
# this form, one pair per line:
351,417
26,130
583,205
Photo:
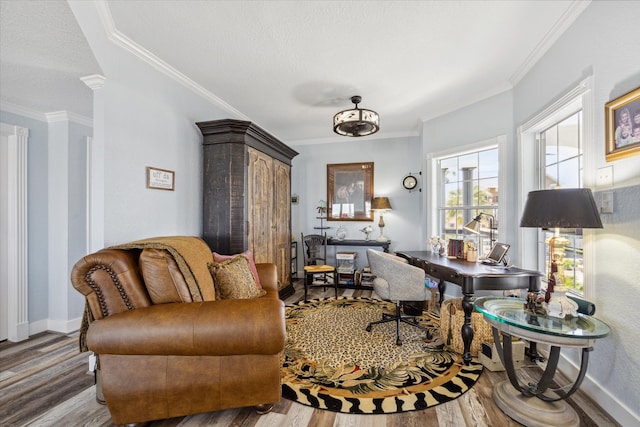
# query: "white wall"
483,121
392,158
602,43
144,119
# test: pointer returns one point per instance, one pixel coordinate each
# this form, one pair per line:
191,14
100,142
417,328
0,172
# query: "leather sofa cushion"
162,277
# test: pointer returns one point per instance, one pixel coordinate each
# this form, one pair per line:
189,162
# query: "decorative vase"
341,233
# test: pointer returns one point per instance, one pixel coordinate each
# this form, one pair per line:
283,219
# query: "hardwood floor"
44,381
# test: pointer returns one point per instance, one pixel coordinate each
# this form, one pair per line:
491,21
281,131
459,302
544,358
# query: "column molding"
17,238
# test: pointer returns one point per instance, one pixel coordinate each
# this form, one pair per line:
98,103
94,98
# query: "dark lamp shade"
561,208
381,203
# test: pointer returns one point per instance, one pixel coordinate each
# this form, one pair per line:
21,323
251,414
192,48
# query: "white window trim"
580,97
435,178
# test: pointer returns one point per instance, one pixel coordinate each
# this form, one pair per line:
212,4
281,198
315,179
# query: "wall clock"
409,182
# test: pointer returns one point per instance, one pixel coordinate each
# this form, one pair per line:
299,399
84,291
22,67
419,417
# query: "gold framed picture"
349,192
622,126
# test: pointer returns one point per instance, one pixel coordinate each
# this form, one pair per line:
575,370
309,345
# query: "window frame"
530,177
435,178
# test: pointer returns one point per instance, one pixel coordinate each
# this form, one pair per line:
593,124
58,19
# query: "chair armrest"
215,328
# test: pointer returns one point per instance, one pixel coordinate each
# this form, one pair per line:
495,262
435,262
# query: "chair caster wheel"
368,328
398,342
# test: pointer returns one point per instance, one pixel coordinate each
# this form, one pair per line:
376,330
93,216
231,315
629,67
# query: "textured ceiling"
290,65
43,54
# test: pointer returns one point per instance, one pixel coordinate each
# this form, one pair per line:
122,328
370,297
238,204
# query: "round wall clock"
409,182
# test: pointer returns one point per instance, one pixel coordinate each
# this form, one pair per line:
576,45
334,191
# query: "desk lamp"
559,208
474,226
383,205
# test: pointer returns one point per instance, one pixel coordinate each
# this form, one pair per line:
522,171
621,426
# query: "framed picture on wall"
349,191
160,179
622,126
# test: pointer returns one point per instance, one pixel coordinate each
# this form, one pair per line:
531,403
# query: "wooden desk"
336,242
471,277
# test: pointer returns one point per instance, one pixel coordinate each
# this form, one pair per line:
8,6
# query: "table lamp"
381,204
474,226
559,208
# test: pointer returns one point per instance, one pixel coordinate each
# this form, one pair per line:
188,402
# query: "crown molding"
22,111
342,139
66,116
565,21
94,81
122,41
50,117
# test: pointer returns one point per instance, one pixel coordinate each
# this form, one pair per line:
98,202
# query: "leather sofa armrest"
111,282
215,328
268,274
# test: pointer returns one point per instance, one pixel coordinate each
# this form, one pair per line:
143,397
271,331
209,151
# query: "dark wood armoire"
247,194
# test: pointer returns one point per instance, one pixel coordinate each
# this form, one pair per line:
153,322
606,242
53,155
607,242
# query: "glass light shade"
356,121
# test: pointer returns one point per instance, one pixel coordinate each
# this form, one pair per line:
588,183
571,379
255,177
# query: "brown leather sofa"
161,352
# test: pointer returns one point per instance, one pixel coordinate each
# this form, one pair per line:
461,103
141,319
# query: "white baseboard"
621,413
37,327
55,325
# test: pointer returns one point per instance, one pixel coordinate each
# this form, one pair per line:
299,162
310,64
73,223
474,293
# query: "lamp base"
382,239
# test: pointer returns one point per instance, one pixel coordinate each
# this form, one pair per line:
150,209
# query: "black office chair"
314,251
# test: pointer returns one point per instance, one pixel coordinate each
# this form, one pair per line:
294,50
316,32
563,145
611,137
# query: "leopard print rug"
331,362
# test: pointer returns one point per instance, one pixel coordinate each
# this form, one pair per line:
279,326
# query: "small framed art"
622,126
160,179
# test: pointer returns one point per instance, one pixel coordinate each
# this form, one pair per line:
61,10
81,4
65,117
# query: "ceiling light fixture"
356,121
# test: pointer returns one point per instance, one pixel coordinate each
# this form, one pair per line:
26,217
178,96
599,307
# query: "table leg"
467,329
526,403
504,349
442,286
532,352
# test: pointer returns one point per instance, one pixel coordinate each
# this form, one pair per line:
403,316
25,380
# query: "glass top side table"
531,403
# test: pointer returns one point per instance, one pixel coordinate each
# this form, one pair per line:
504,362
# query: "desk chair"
314,251
397,281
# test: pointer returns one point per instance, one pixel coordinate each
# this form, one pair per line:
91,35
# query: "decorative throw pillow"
252,265
233,279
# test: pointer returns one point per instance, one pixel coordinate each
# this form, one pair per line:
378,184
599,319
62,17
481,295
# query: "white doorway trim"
16,231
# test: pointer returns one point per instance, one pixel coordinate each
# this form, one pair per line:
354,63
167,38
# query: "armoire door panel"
260,206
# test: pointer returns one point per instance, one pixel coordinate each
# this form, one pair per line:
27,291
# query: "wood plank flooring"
44,381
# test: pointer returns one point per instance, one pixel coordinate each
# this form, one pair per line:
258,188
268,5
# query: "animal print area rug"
331,362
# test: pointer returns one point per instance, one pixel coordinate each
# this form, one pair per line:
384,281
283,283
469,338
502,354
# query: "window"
468,185
562,162
554,151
